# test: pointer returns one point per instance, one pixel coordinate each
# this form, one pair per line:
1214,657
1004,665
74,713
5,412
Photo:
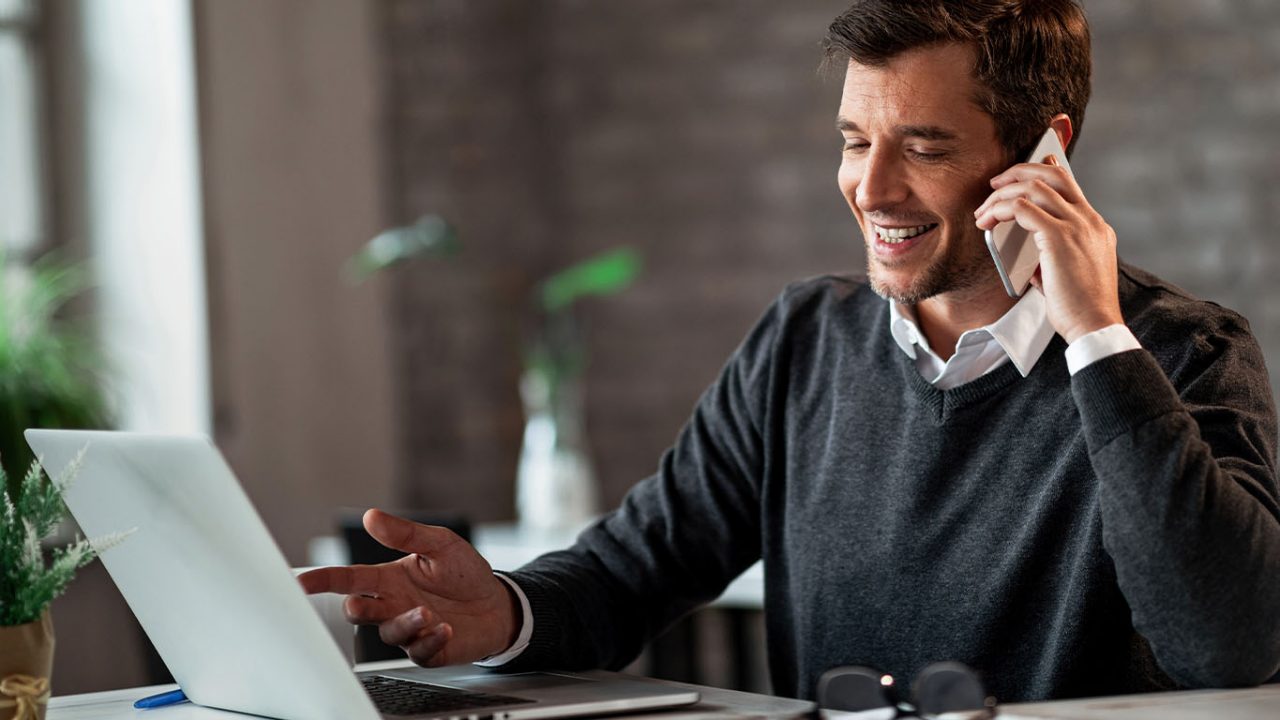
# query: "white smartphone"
1012,248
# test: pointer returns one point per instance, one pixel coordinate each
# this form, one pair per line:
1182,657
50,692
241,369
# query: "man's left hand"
1078,266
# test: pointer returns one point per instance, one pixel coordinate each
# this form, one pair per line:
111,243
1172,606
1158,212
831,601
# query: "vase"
26,664
555,484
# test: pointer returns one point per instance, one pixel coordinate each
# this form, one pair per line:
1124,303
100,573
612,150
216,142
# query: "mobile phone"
1012,248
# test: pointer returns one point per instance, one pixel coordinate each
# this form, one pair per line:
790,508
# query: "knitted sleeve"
678,538
1184,445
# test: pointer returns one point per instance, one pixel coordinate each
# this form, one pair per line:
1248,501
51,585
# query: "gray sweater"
1115,531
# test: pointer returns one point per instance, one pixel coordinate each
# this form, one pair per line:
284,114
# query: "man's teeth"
893,236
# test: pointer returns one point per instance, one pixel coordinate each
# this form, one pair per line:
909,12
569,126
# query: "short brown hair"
1033,56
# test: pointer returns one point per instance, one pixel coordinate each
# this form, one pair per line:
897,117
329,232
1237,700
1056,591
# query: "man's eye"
927,155
855,146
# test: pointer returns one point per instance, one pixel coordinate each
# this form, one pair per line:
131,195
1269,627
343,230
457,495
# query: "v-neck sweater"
1109,532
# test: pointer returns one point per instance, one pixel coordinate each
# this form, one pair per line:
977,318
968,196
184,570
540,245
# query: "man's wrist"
515,616
1094,346
1091,325
523,624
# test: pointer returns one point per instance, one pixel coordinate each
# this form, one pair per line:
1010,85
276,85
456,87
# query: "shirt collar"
1023,332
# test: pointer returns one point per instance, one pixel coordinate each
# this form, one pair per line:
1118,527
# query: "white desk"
716,704
1261,703
1252,704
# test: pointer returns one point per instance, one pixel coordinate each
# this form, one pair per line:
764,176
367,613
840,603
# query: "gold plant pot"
26,664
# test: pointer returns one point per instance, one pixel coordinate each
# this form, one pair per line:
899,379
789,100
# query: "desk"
716,704
1262,703
1251,704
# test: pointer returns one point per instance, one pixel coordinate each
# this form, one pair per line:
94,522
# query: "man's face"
917,160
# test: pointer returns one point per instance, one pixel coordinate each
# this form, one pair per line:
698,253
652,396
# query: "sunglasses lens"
855,689
949,688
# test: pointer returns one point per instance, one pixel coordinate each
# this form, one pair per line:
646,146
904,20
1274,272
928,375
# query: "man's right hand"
441,603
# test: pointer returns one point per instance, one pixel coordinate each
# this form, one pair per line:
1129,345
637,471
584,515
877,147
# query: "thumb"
407,536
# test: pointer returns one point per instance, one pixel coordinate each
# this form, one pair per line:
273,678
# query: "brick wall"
700,133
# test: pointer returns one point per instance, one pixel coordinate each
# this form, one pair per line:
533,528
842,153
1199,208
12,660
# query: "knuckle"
426,652
353,608
390,633
418,657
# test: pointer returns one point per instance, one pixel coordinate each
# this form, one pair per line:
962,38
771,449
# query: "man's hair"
1033,57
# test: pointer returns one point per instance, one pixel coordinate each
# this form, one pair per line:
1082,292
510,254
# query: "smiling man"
1073,492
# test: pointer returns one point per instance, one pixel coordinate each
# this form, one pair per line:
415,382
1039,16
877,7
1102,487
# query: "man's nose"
882,184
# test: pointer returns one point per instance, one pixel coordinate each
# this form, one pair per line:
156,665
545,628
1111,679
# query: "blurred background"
217,163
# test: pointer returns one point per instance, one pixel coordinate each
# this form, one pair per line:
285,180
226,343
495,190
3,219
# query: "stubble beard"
956,271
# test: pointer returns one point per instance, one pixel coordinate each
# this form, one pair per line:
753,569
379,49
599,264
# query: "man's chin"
902,291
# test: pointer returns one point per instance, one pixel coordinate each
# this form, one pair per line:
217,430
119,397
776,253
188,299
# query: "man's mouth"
898,235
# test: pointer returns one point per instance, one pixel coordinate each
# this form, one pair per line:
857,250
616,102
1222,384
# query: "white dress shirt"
1020,336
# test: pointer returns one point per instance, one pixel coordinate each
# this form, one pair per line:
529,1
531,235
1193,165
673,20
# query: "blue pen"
173,697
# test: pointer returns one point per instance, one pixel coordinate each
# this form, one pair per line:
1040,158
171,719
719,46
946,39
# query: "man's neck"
944,318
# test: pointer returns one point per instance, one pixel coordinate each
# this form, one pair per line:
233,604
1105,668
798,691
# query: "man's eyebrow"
923,132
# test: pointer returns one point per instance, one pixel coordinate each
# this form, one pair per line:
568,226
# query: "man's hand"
441,603
1078,266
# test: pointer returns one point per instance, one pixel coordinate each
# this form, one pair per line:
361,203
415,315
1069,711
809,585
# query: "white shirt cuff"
526,629
1089,349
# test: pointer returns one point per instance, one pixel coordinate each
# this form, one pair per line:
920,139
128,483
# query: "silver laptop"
216,597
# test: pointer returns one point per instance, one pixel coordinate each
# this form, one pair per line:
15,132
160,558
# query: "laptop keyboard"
393,696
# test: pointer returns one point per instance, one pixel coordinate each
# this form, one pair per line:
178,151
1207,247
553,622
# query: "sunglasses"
949,689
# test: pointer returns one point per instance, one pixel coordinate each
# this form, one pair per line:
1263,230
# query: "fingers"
1026,213
406,536
420,633
1055,176
363,610
430,651
1035,190
346,580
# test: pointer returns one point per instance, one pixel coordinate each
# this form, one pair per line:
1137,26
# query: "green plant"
429,235
556,354
28,580
50,372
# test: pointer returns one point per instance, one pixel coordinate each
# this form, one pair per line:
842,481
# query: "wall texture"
700,133
303,404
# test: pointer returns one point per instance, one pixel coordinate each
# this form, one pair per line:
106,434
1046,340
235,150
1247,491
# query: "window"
21,176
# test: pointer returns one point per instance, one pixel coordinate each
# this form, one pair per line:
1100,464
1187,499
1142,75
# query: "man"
1074,492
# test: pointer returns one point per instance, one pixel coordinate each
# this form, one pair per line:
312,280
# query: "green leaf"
606,274
430,235
28,580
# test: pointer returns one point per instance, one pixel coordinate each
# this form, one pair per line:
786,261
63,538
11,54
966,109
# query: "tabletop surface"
716,703
1261,703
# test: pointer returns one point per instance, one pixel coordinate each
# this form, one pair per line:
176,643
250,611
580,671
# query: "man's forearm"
1189,514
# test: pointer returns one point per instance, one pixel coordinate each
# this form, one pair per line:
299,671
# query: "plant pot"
26,664
555,484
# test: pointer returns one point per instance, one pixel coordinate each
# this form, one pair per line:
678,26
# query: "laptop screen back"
203,576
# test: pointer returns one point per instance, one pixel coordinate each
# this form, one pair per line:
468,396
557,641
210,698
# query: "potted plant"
555,481
30,579
50,373
49,377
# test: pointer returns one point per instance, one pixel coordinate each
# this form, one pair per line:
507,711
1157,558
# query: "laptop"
216,597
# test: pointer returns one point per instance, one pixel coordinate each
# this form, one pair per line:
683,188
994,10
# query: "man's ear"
1061,124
